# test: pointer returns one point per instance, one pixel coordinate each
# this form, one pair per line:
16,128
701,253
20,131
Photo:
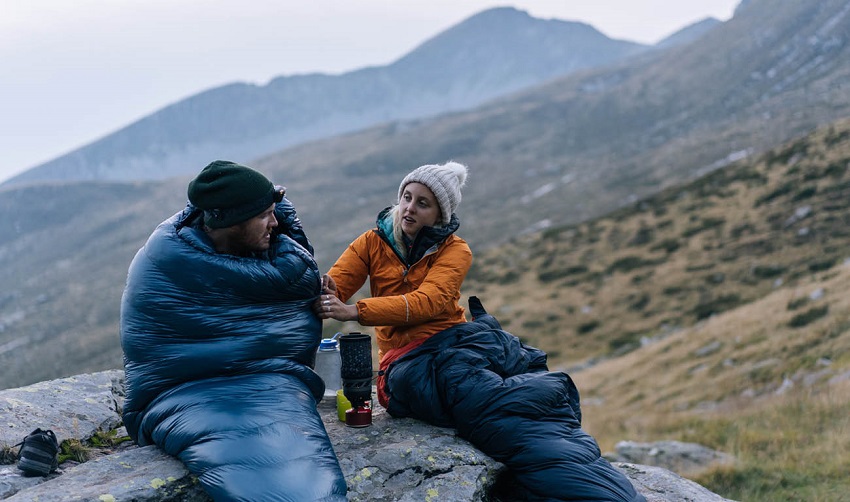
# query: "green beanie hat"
230,193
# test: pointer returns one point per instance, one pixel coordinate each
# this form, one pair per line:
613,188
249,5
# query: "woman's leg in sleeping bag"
253,437
530,423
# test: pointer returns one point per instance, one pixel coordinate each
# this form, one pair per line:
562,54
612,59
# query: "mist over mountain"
596,140
490,54
572,149
671,228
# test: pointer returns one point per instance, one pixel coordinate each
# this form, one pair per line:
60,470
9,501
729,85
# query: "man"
218,337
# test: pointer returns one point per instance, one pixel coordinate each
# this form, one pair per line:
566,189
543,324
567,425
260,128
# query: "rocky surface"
687,459
391,460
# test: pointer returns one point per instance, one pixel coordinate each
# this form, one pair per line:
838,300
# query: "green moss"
8,455
73,449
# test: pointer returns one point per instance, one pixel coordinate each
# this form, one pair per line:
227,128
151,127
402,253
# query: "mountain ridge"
492,53
623,132
535,163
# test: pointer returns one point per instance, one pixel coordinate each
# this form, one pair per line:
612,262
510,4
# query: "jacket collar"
425,242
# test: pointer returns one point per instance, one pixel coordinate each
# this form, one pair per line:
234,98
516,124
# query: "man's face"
253,235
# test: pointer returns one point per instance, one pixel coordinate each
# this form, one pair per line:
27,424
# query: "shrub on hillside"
554,274
784,189
638,302
808,317
716,305
703,225
768,271
587,327
784,156
805,193
667,245
820,266
629,263
796,303
644,235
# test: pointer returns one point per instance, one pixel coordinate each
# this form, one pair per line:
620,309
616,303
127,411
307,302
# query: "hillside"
678,257
727,301
768,382
493,53
588,143
565,153
64,254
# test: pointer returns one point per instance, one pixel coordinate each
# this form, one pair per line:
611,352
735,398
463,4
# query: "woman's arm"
437,292
345,278
352,268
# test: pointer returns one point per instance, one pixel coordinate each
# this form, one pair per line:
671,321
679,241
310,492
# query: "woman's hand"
330,307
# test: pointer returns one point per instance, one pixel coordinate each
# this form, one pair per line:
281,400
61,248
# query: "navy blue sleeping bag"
498,393
217,356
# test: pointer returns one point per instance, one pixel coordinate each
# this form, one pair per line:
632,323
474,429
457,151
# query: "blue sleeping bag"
217,356
498,393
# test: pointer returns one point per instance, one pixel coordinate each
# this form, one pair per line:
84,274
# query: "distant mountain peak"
496,15
689,33
488,55
741,6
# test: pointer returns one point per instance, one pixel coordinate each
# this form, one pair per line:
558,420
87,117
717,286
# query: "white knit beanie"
444,181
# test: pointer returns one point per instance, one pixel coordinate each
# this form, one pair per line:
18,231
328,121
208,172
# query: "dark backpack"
39,453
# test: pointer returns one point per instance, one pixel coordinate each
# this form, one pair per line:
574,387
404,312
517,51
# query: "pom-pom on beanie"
230,193
444,181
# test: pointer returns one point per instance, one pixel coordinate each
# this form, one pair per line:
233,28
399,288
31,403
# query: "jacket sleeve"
352,268
431,299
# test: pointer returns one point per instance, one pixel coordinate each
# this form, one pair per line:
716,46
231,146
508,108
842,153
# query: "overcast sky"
72,71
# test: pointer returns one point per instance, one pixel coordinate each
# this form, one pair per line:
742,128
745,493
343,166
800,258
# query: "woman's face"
418,208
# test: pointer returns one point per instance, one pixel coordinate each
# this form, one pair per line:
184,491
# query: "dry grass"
667,262
715,313
746,383
790,448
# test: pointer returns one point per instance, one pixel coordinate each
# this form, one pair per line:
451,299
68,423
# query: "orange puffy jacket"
407,304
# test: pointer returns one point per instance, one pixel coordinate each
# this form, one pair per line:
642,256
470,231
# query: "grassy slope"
747,383
688,253
563,153
727,302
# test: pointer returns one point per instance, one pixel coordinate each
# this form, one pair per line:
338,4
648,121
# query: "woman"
415,264
472,376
